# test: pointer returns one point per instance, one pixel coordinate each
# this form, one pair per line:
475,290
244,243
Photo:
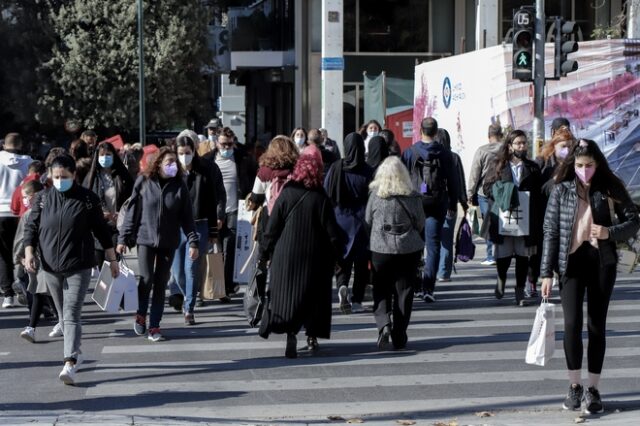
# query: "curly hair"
153,167
561,135
281,154
392,178
308,169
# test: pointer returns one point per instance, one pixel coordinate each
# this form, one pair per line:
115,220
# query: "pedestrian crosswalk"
465,354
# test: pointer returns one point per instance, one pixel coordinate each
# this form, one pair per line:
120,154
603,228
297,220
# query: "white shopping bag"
542,342
244,264
515,223
109,291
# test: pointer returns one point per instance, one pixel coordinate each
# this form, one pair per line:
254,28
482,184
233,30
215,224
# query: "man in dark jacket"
437,205
238,174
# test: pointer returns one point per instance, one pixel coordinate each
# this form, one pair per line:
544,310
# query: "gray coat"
396,223
483,161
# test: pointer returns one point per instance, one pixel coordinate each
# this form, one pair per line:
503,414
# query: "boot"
291,351
499,292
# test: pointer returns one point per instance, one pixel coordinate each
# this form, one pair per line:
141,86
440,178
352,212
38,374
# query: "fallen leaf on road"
485,414
405,422
579,420
335,418
451,423
355,421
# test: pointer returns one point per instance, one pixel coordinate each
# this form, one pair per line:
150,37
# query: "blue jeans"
483,203
185,272
432,231
446,247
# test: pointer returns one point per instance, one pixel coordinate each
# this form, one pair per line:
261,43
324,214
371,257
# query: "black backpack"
429,179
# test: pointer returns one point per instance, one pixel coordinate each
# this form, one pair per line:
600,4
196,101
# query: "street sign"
332,64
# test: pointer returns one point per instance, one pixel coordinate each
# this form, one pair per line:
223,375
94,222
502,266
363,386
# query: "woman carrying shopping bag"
62,224
396,219
160,207
580,238
208,200
515,200
111,181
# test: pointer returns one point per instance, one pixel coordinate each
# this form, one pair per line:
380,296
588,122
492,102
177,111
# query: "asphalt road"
465,356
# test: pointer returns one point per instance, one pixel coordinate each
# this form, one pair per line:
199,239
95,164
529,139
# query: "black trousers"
8,227
228,235
522,265
155,270
585,274
393,279
360,267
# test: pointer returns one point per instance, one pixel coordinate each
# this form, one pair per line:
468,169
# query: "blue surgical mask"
62,184
226,153
105,161
300,141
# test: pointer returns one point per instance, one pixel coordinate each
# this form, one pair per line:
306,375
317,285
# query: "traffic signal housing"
564,30
524,35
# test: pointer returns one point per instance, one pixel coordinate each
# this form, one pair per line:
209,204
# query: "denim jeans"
68,291
446,247
432,232
185,272
483,203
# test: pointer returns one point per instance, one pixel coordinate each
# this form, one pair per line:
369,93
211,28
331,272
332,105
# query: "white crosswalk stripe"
465,353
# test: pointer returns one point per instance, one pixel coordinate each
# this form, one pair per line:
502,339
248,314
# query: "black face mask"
520,154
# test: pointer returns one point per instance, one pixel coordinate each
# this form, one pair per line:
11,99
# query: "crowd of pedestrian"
320,215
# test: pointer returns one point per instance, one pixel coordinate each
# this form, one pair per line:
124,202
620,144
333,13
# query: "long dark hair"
604,179
363,128
118,168
504,155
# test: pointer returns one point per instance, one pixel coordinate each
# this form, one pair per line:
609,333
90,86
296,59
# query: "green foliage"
93,69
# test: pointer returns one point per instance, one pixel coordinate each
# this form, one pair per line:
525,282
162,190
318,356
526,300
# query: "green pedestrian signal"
523,39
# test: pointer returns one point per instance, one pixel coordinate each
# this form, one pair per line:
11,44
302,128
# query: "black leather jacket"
560,218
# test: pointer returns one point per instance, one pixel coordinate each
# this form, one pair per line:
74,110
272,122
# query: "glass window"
349,25
315,22
352,108
394,26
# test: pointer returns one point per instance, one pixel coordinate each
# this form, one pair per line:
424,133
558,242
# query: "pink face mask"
585,173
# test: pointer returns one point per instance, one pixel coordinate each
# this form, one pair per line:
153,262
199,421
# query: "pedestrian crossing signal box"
524,24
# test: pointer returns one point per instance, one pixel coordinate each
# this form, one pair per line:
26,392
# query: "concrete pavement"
465,359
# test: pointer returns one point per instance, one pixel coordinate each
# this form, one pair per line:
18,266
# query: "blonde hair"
392,178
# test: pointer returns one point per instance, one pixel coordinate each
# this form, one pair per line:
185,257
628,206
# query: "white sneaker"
29,334
488,262
155,335
68,374
357,308
58,330
8,302
343,298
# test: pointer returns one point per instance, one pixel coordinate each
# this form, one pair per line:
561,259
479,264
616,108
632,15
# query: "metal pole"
141,96
539,79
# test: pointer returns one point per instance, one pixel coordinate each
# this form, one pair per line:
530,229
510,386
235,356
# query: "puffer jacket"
560,219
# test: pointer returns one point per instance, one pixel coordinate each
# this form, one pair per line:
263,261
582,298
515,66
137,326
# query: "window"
393,25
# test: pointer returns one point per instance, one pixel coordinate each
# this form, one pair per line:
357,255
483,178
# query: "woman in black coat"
111,181
589,211
160,208
302,241
347,184
513,170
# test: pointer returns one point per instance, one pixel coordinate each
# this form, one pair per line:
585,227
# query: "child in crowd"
36,285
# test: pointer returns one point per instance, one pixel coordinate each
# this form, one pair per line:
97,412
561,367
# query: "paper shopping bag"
214,285
542,341
110,291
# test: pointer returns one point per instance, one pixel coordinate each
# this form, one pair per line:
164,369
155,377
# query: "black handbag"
255,298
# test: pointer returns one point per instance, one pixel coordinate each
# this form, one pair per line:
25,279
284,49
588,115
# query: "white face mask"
185,159
299,141
371,133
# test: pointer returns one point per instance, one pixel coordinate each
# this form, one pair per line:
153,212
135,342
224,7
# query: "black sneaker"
592,401
574,398
20,291
499,291
176,301
383,338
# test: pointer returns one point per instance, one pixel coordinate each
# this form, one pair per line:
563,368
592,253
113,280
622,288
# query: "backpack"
465,249
429,179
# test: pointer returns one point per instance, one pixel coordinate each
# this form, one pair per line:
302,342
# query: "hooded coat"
347,184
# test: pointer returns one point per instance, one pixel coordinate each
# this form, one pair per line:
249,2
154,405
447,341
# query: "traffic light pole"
539,79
